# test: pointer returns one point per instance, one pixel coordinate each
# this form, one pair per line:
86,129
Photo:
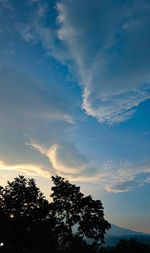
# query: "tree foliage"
30,223
66,202
74,208
21,198
25,216
92,222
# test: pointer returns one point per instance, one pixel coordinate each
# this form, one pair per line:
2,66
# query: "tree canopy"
74,208
30,223
25,216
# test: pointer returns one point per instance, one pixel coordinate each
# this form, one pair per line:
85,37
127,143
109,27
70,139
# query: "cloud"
104,41
116,108
30,109
136,180
65,159
123,186
125,176
115,177
107,46
27,169
100,43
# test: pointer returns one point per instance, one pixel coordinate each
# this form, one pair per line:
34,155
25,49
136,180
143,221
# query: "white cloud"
124,176
107,46
115,176
65,159
112,62
114,109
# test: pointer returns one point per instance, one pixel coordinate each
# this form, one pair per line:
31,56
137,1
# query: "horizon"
75,100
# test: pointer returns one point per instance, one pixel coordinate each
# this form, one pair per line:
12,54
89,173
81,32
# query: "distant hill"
117,233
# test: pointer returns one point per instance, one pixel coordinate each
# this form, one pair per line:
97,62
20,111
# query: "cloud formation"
30,109
112,61
65,159
27,169
115,177
107,46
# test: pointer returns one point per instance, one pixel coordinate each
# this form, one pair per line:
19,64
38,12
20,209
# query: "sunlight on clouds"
65,159
28,169
38,147
71,73
112,175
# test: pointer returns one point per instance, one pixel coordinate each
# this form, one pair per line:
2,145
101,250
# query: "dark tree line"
29,223
127,246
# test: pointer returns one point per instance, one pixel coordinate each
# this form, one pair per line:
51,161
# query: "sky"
75,99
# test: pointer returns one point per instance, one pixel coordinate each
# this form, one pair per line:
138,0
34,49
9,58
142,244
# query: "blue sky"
75,99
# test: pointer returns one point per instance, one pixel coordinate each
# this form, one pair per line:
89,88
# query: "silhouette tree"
92,223
29,223
25,217
66,201
72,207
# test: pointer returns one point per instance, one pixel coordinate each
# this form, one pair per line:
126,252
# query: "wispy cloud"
30,109
101,43
65,159
27,169
114,176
